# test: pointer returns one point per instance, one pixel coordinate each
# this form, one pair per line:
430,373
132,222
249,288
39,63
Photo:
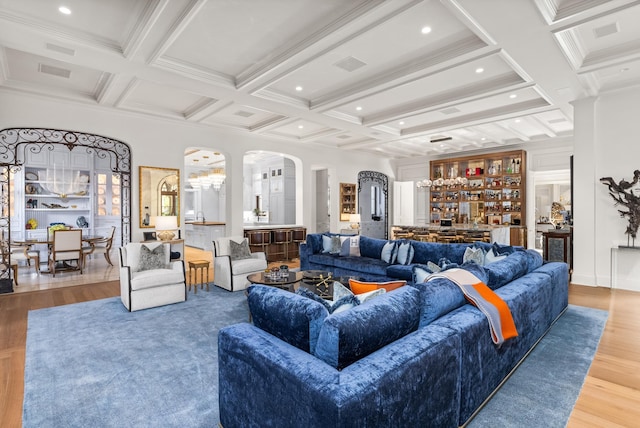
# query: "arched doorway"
17,145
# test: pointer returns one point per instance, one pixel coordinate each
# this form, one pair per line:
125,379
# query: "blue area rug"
544,389
95,364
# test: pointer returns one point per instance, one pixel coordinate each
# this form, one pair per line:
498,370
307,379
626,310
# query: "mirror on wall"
373,204
159,194
205,186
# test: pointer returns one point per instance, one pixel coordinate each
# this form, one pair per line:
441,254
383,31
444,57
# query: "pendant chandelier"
204,180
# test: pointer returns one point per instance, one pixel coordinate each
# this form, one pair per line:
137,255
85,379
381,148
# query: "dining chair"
4,260
101,246
66,247
21,252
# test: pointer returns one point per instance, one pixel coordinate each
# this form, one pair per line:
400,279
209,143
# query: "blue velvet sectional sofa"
416,356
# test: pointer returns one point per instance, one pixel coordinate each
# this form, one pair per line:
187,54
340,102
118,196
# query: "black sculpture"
622,193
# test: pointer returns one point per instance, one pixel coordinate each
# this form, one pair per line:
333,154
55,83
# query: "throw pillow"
502,250
330,244
491,257
359,287
475,255
421,273
239,251
433,267
342,304
389,252
151,259
340,291
405,253
350,246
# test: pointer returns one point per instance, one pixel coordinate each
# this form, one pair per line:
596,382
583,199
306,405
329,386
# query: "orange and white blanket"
495,309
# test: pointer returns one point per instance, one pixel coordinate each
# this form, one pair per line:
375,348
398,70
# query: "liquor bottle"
517,171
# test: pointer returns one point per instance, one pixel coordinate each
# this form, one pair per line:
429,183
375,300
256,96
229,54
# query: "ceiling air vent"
606,30
350,64
561,120
54,71
450,110
243,113
60,49
343,137
440,139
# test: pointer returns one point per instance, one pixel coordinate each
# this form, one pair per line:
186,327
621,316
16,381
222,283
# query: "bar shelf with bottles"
484,189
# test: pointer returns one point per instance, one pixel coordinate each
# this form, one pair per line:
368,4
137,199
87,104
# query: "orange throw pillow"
359,287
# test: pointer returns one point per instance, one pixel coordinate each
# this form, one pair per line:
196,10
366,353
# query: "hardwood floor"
610,396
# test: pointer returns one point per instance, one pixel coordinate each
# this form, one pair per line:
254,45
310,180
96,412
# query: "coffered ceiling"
398,78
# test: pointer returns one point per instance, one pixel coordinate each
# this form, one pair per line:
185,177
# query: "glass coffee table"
289,282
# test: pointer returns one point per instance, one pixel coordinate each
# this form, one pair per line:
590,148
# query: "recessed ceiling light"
517,120
358,108
300,126
512,96
298,88
401,122
623,70
483,139
64,10
425,30
479,70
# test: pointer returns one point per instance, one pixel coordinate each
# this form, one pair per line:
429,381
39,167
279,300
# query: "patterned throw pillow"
475,255
239,251
151,259
331,244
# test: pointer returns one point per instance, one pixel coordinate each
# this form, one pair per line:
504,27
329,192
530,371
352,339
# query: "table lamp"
166,226
355,221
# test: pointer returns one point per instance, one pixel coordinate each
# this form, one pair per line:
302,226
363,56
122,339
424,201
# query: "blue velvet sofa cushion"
400,272
441,296
371,247
351,335
504,271
290,317
323,259
362,264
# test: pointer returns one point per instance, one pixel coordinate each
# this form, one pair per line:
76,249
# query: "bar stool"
260,239
282,237
196,266
298,236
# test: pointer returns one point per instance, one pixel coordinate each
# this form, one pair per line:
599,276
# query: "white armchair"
148,278
232,274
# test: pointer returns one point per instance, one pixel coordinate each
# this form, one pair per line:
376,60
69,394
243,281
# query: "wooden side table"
196,266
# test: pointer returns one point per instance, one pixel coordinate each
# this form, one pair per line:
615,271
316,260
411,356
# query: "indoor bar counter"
279,242
461,232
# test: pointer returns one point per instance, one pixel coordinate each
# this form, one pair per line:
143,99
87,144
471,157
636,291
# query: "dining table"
88,239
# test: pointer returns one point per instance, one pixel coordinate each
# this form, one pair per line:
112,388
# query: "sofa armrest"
305,250
412,382
260,255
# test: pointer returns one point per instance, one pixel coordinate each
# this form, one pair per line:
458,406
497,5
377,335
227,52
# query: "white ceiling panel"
372,52
238,63
232,36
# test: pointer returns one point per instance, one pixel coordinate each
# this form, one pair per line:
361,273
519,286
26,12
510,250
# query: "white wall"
162,142
606,146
